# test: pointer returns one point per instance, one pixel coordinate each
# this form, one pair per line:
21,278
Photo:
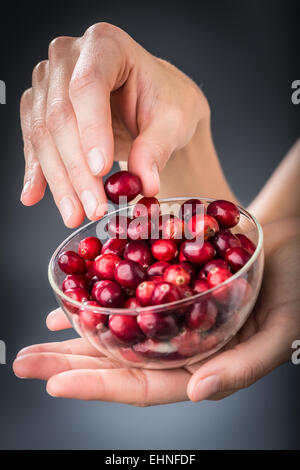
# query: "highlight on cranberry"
162,300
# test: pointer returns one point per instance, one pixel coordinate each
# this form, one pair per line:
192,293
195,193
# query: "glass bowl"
229,303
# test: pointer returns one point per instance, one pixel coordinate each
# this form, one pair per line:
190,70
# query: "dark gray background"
245,55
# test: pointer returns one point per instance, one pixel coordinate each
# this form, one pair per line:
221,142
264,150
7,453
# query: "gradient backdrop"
245,55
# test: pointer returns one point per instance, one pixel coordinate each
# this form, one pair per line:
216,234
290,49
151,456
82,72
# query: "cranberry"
117,226
164,250
164,293
199,286
147,207
173,229
115,246
122,184
89,248
226,213
217,275
225,240
89,319
89,266
157,325
181,256
246,243
202,316
132,302
104,265
140,228
144,292
214,263
176,274
189,268
155,279
185,291
154,349
202,226
197,251
129,274
108,294
191,207
71,263
78,294
237,258
158,268
92,282
125,328
74,280
138,251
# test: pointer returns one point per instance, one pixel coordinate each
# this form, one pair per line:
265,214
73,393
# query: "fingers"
131,386
73,346
57,320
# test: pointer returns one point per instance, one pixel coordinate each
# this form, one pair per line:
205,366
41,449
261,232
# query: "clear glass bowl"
233,300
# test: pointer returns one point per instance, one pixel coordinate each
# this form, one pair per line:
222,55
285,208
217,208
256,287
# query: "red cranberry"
191,207
225,240
173,229
104,265
147,207
125,328
140,228
176,274
158,268
164,293
129,274
108,294
78,294
246,243
115,246
189,268
92,282
202,226
226,213
74,280
202,316
89,319
117,226
217,275
154,349
185,291
89,266
144,292
164,250
71,263
132,302
197,251
237,258
155,279
181,256
157,325
122,184
139,252
89,248
214,263
199,286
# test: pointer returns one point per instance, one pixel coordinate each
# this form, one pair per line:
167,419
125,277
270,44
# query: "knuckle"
58,45
251,373
58,113
82,82
38,132
40,71
74,169
142,387
100,30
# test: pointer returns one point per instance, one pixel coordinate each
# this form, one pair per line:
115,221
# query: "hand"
74,369
99,97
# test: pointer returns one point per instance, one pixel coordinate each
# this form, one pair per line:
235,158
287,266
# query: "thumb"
239,367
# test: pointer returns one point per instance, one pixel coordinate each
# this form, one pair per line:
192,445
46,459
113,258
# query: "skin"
160,119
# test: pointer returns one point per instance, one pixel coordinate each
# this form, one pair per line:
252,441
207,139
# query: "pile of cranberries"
191,253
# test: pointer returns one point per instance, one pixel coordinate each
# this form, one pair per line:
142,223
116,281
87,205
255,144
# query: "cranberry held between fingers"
157,269
226,213
202,226
74,280
214,263
164,250
202,316
132,302
144,292
104,266
199,286
71,263
147,207
125,328
122,184
177,275
197,251
164,293
89,248
246,243
225,240
158,325
89,319
191,207
117,226
139,252
173,229
108,294
115,246
237,258
140,228
129,274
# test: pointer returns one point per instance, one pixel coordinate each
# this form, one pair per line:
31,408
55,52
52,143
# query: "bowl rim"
153,308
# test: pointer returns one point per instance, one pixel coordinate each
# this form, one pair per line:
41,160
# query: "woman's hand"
99,97
74,369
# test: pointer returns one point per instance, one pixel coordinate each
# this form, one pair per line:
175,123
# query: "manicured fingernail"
155,174
89,202
206,387
26,188
67,208
96,160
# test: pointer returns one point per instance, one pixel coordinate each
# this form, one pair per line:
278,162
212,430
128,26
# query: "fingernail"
67,208
96,160
23,351
155,174
26,188
89,202
206,387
